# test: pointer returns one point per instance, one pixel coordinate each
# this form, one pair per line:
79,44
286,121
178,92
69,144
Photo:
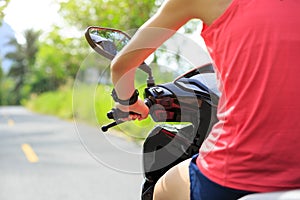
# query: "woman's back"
256,45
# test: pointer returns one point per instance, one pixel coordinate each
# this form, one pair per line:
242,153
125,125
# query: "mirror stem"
148,70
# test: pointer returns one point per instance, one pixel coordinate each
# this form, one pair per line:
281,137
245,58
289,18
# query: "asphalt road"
43,157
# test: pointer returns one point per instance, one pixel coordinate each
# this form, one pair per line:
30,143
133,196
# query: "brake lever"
117,115
108,126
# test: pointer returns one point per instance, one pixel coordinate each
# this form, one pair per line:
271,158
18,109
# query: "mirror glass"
108,41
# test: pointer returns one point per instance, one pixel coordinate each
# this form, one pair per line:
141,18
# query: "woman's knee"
175,184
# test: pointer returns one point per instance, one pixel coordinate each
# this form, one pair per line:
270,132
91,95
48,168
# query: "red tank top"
255,146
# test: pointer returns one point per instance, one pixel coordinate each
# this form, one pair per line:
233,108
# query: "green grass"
57,103
88,104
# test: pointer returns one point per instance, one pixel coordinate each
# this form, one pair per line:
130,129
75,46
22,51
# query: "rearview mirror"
106,41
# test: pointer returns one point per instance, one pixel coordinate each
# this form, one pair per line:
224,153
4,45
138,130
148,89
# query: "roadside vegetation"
48,67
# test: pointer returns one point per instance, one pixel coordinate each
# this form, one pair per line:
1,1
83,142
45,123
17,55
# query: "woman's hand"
139,108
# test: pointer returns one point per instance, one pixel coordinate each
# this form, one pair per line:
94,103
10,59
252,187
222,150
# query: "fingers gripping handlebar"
118,115
164,106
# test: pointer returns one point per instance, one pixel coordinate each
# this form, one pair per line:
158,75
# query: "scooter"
190,99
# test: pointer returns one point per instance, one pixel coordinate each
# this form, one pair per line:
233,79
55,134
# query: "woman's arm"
169,18
172,15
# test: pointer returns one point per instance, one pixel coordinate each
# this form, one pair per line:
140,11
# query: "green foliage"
86,104
1,82
41,67
23,60
125,15
7,96
57,103
44,64
58,60
3,5
191,26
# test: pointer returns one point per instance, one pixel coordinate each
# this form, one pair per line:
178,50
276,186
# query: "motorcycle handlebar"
118,115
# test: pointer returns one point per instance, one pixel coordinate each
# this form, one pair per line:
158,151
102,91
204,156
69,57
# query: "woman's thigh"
175,184
185,182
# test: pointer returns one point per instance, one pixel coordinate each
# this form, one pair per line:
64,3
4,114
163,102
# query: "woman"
255,47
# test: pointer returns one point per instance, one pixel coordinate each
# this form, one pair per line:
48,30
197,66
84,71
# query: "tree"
1,81
63,50
125,15
3,5
23,59
58,60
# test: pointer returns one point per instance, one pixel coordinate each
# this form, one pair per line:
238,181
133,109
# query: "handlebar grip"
148,102
116,114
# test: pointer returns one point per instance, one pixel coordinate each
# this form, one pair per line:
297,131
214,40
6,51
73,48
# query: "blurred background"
42,45
48,76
